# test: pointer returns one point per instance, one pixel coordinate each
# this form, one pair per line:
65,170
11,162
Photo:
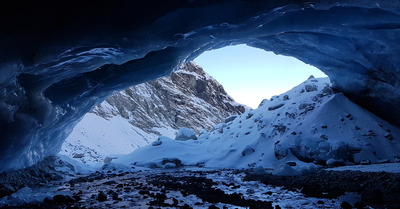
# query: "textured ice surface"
58,59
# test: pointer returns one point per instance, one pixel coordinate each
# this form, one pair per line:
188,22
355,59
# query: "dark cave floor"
183,188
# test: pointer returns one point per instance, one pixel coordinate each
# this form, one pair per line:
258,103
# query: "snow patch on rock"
185,134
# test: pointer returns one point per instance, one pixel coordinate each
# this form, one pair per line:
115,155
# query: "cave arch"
59,59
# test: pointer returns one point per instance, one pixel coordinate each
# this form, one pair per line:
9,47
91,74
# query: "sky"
250,75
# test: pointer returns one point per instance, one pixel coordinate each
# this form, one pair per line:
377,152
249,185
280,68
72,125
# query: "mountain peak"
193,67
188,98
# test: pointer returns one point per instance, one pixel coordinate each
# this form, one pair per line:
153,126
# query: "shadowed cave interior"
60,59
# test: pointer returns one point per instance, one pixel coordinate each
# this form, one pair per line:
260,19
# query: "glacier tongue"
308,125
137,116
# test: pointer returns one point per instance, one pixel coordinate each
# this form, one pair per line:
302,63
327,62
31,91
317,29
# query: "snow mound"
307,125
169,151
185,134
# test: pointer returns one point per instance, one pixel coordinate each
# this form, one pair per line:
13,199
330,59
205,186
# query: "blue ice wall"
60,58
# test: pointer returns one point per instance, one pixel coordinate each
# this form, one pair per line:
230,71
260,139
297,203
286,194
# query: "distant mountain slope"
137,116
308,124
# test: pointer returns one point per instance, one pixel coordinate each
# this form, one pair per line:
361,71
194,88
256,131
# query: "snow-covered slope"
308,124
136,116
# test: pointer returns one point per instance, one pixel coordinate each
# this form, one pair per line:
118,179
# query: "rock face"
188,98
138,115
58,60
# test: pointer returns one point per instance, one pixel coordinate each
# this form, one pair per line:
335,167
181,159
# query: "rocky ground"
182,188
40,174
376,189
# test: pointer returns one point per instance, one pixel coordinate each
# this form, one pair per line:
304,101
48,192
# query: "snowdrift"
306,126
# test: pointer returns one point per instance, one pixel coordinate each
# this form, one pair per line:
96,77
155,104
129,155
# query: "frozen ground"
119,186
166,189
386,167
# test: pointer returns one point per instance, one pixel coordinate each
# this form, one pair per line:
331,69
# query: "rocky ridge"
188,98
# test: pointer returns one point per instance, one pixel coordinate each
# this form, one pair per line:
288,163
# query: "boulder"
185,134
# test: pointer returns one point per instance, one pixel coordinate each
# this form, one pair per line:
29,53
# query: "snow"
197,76
187,152
65,167
229,182
97,137
77,166
290,133
166,131
278,196
29,195
185,134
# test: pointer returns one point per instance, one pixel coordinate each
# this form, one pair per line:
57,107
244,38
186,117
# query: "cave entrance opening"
250,74
137,116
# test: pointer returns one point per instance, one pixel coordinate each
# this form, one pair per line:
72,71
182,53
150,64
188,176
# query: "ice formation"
59,59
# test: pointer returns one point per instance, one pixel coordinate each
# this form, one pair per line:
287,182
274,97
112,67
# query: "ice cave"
61,58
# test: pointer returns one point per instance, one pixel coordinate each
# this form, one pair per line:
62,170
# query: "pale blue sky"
250,75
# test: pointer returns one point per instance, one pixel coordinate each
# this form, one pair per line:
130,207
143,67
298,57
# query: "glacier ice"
58,59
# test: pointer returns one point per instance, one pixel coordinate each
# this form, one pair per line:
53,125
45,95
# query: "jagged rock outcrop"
50,169
61,58
136,116
188,98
